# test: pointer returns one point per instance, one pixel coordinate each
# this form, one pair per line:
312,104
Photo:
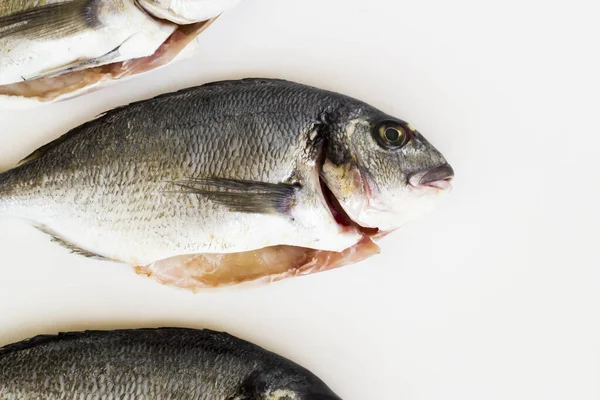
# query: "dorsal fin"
64,336
39,340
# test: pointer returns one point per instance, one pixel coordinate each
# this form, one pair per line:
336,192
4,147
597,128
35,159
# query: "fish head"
379,172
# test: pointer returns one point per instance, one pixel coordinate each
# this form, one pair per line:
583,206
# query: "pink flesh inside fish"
270,264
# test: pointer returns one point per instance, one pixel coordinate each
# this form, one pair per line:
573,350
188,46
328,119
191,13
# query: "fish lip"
436,178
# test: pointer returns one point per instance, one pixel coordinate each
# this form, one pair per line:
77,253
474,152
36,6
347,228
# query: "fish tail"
52,20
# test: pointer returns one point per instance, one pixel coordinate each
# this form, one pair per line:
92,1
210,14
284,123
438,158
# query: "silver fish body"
165,363
225,168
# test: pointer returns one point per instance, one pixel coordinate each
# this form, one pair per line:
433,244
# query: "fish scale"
101,152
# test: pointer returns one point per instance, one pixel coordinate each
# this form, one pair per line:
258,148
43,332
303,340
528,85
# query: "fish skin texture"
163,363
118,173
233,181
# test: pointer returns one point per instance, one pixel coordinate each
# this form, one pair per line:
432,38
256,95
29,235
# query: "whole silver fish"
242,177
160,364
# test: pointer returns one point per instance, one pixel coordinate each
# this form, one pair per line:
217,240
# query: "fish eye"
392,135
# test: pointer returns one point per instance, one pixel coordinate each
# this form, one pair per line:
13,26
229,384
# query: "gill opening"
335,208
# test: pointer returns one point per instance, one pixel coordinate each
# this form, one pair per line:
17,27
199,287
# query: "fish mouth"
340,215
437,178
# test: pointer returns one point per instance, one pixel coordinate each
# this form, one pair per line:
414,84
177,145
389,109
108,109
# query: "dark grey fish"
248,179
165,363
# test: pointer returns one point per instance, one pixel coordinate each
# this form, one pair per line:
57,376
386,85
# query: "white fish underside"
199,228
204,244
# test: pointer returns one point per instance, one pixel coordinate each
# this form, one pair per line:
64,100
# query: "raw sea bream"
54,50
164,363
229,182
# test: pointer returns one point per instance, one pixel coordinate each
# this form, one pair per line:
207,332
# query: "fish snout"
437,178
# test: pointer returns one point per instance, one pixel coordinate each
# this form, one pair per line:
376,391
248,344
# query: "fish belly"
130,229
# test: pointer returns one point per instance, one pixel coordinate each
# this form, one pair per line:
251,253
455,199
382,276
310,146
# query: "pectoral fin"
244,196
52,20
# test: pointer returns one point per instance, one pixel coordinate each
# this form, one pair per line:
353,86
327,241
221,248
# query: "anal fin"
70,246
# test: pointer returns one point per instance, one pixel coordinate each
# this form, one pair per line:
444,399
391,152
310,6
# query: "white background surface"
494,295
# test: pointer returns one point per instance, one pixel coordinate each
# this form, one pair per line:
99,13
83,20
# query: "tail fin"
52,20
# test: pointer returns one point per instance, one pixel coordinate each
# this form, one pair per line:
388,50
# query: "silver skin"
132,185
166,363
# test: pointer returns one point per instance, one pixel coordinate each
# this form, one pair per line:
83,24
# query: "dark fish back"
216,129
164,363
168,363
